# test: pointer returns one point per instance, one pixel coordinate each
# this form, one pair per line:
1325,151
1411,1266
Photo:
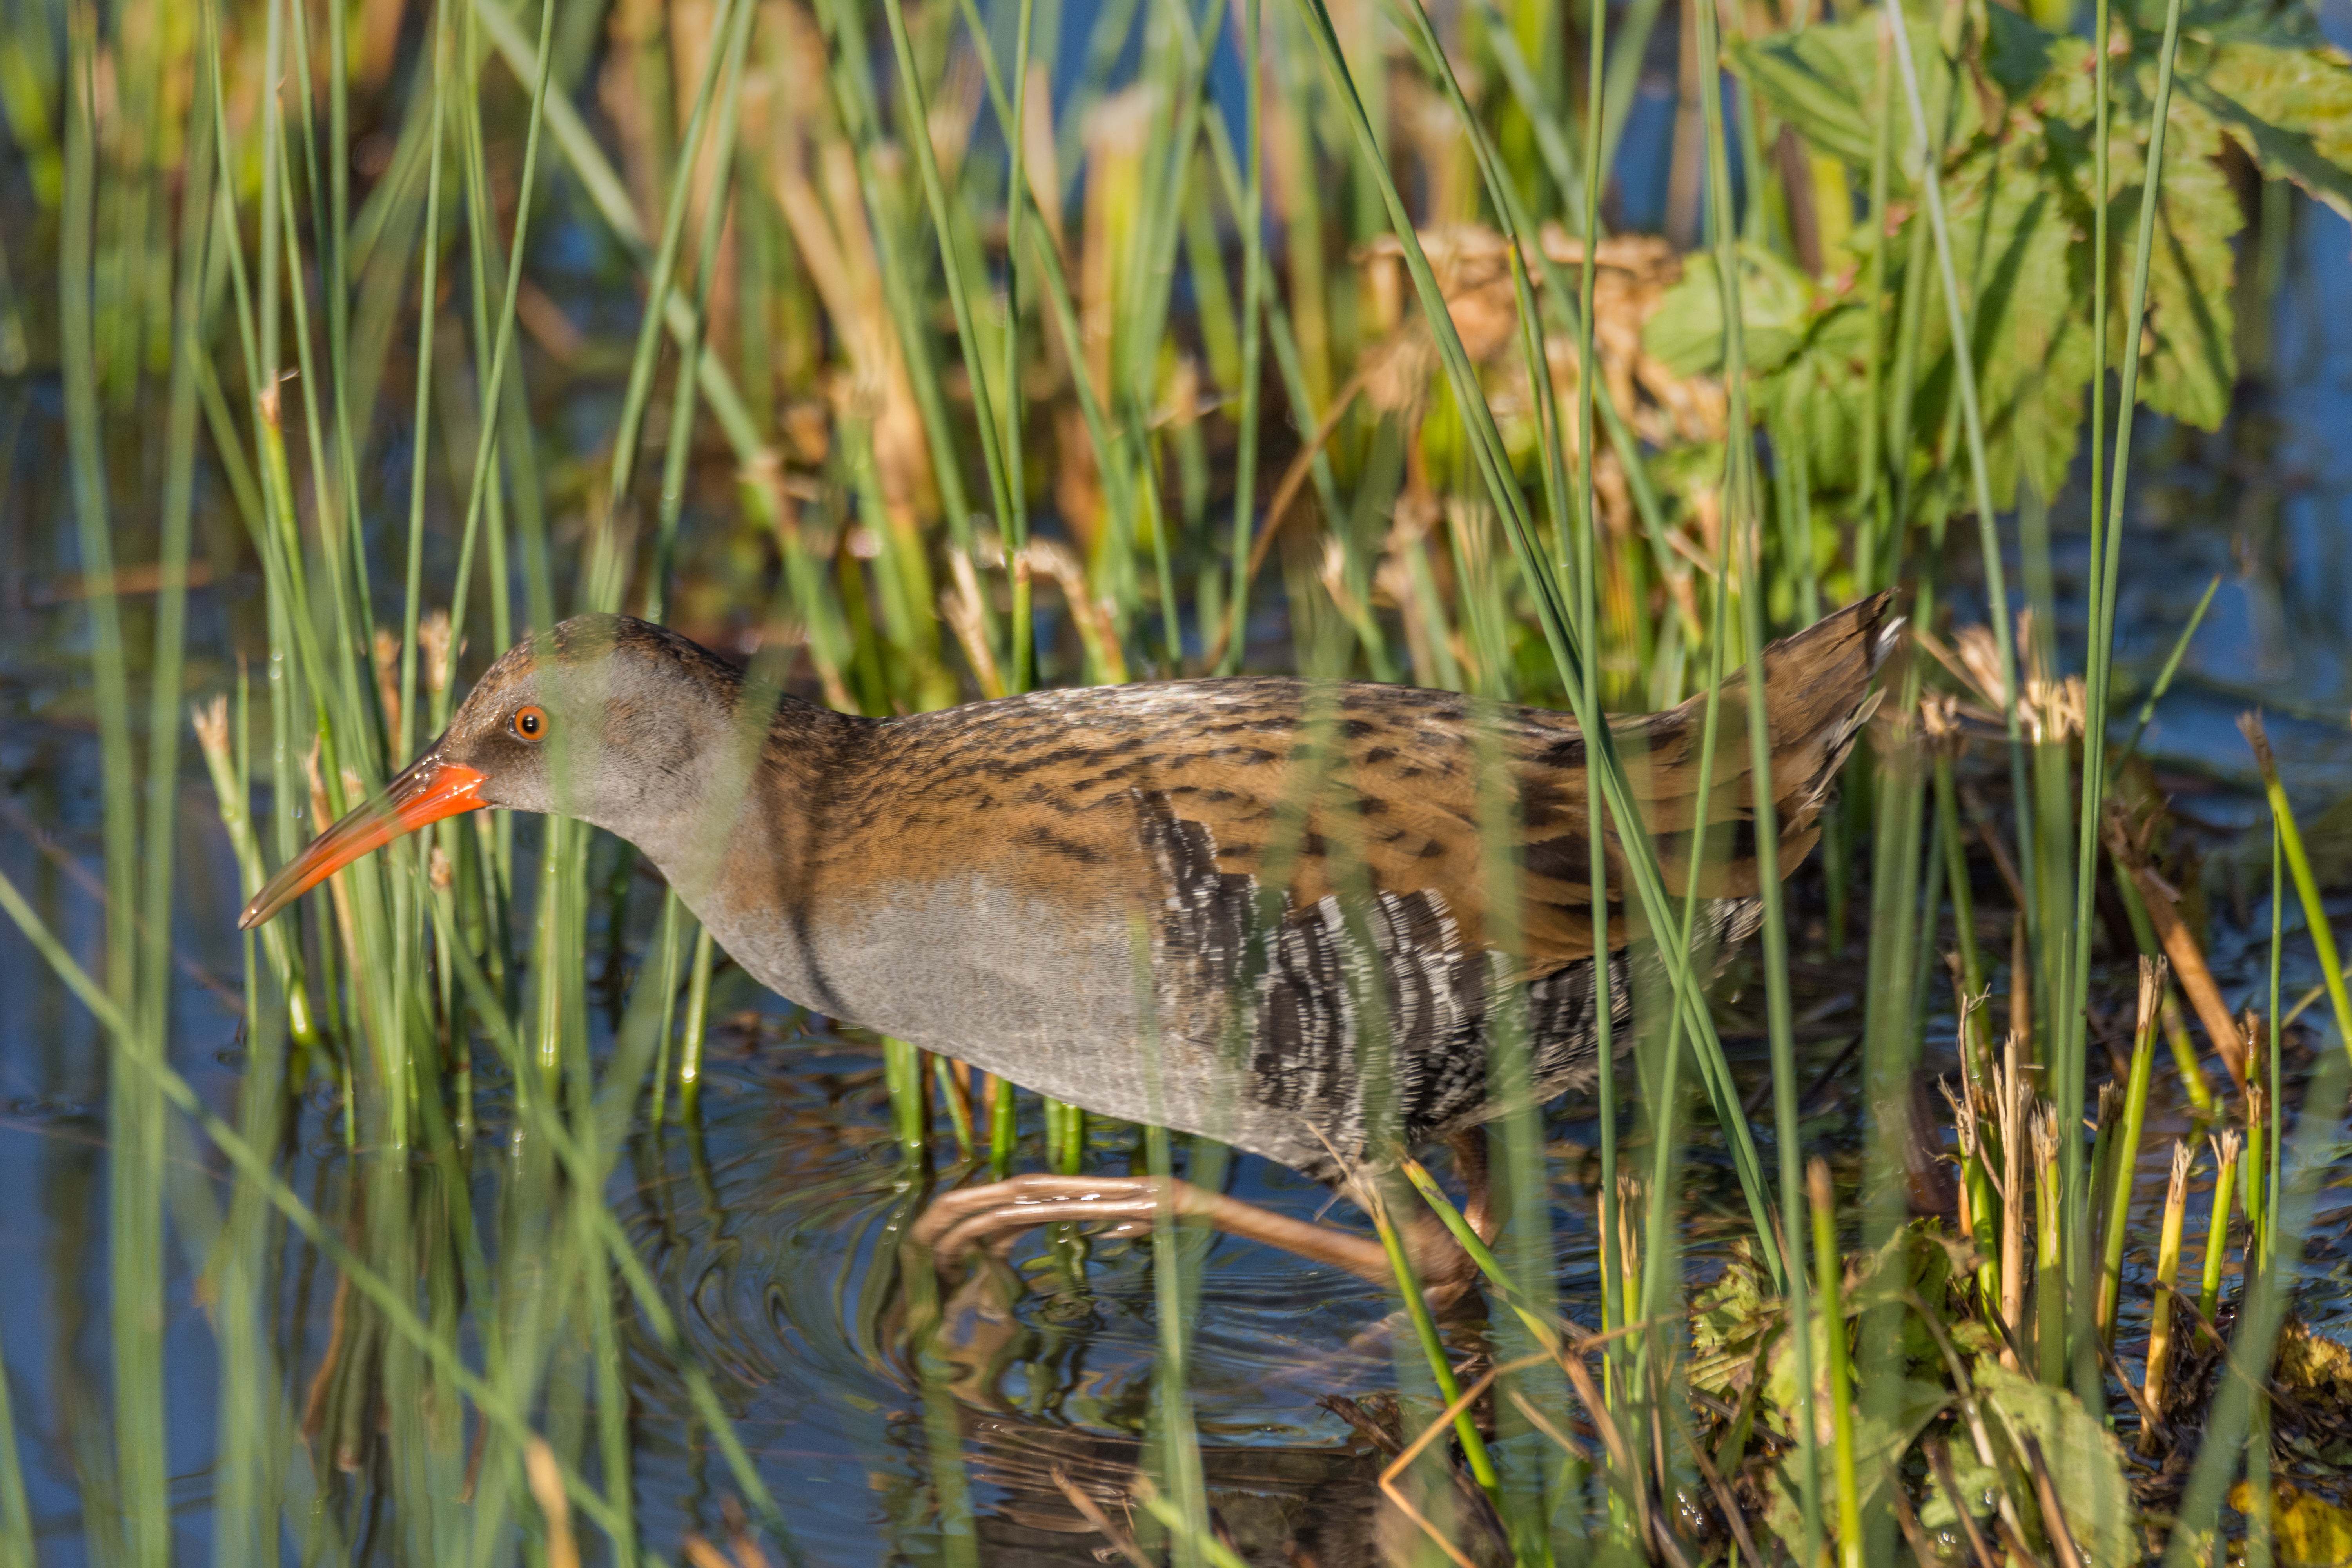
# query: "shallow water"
772,1223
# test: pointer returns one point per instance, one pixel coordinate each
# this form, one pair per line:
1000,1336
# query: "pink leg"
958,1222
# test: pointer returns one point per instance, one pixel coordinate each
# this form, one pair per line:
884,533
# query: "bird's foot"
960,1222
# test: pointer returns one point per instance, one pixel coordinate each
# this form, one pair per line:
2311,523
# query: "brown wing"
1349,787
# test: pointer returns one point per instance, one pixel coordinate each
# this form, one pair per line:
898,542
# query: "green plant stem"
2217,1227
1830,1263
2107,555
697,1024
1433,1347
2164,680
1972,415
2306,885
1254,289
1493,465
975,362
2126,1167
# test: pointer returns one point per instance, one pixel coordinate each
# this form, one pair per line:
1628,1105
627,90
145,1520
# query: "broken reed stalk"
2126,1151
2014,1096
1829,1263
2049,1309
2227,1147
2167,1267
2179,944
1979,1205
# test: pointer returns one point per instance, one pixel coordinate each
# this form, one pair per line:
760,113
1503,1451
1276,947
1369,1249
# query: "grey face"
606,720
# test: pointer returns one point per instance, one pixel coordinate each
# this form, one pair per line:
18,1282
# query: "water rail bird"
1267,910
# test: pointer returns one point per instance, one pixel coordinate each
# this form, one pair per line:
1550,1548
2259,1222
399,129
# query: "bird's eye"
530,723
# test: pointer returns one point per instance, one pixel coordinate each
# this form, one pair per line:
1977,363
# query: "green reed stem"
428,317
1829,1261
2306,885
1004,1127
2268,1216
697,1024
731,24
1018,196
2247,1369
134,1155
1613,1311
2164,679
1254,291
909,1096
1494,468
2227,1147
610,196
1743,518
15,1511
1432,1348
486,441
2125,1162
1972,415
2106,546
916,118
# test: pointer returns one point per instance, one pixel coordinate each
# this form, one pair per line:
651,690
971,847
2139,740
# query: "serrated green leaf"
1878,1447
2085,1461
2017,54
1821,80
2018,223
2291,108
2191,328
1979,1485
1686,334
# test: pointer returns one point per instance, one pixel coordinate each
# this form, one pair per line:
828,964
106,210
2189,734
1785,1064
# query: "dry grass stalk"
2167,1265
960,606
813,177
1122,1540
1119,131
1042,156
2181,945
547,1489
1105,659
386,651
432,642
1941,1458
2020,984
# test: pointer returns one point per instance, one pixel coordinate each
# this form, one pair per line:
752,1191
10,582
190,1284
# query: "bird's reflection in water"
784,1219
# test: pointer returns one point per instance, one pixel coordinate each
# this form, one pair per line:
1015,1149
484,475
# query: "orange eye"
530,723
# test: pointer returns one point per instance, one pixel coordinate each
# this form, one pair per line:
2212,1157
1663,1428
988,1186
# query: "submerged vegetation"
929,351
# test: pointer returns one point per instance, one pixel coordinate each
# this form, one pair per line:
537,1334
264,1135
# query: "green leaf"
1978,1488
2017,54
1824,79
2085,1461
1821,80
1817,395
2018,230
2193,359
2291,108
1686,334
1878,1448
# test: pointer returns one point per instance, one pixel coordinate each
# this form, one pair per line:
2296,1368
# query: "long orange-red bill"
430,790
